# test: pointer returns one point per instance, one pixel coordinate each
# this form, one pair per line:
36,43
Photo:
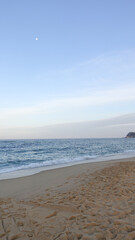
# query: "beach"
84,201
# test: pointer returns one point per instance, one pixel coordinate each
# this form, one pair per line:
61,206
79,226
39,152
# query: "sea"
26,157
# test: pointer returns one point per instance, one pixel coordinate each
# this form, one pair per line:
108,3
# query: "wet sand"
88,201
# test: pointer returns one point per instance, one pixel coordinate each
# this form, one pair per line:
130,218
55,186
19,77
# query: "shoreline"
31,185
23,158
35,170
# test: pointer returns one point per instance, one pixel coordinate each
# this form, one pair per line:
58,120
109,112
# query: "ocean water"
21,156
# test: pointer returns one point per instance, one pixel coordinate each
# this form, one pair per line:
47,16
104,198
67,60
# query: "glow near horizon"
66,76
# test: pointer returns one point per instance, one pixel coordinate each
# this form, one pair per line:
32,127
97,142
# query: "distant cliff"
131,135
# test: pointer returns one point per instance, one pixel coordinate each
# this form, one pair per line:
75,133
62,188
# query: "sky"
67,65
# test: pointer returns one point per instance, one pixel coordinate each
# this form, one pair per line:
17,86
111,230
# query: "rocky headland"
131,135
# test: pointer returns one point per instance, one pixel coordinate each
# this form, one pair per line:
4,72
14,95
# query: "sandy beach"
85,201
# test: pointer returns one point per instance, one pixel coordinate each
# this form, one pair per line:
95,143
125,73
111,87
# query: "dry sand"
86,202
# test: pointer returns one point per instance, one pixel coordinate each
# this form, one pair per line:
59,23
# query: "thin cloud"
59,106
98,82
113,127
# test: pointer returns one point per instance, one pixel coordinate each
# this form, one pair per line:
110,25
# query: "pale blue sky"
82,67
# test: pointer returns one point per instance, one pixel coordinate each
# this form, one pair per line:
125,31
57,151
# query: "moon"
36,38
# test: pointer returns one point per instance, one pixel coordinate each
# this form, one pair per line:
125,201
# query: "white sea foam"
21,158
